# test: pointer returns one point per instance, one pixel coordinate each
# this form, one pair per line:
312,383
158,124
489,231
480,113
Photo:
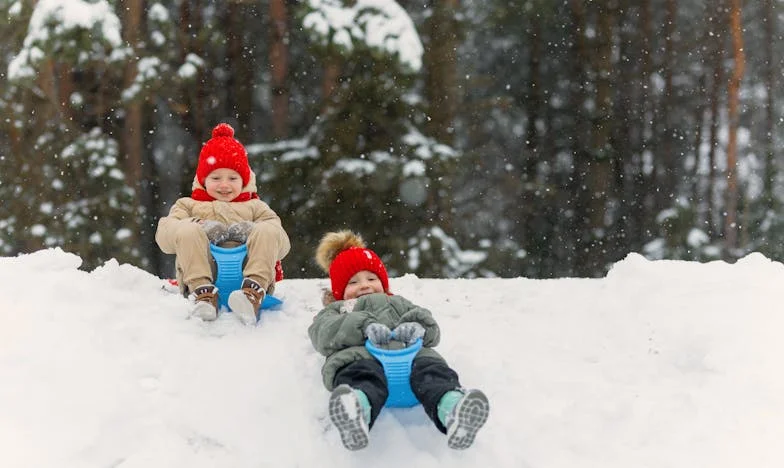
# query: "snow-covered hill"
660,364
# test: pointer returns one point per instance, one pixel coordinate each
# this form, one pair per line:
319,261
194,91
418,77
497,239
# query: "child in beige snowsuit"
223,208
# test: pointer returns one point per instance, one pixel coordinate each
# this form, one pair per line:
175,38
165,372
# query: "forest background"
470,138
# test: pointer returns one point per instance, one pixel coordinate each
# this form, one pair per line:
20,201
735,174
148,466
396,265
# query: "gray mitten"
378,333
238,232
216,232
409,332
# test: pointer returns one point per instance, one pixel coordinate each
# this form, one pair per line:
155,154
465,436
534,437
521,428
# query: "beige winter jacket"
180,234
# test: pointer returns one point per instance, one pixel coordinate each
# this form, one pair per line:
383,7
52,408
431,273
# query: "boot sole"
345,413
204,311
470,415
242,308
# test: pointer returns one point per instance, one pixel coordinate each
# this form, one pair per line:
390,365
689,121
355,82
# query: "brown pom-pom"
333,243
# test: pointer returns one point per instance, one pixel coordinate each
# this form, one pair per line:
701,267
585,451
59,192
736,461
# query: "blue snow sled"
397,367
229,278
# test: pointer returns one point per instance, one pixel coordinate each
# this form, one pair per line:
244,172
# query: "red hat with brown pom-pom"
343,254
223,151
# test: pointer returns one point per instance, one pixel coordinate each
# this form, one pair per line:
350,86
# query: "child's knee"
263,229
191,232
263,232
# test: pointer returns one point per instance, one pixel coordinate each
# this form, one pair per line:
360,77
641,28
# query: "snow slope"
660,364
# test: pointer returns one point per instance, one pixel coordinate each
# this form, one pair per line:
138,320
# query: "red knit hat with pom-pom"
223,151
350,262
343,254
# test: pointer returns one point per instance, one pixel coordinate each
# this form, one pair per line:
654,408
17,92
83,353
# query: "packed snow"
659,364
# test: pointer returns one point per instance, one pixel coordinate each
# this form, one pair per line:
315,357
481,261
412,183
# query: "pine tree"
365,163
65,185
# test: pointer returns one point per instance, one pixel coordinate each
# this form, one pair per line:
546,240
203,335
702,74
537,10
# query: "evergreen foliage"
63,183
365,163
576,132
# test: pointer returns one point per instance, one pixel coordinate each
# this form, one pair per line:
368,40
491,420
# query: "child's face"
364,282
223,184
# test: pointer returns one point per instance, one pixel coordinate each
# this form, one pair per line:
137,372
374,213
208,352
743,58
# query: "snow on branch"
380,25
64,27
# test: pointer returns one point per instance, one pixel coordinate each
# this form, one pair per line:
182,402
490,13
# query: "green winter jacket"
338,333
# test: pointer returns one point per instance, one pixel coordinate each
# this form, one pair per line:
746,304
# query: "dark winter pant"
430,379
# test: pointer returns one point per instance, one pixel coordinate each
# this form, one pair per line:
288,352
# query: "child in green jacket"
360,307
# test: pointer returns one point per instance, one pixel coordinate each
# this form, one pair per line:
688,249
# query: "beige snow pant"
196,267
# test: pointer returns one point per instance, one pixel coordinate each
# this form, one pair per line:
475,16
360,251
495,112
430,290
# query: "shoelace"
206,293
253,285
253,295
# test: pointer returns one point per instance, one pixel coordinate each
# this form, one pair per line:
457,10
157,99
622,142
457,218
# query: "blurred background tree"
474,138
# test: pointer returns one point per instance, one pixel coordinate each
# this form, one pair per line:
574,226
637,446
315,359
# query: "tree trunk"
667,170
770,114
329,82
714,225
195,96
522,178
580,197
625,138
279,66
132,145
600,180
733,90
239,63
699,121
533,103
441,75
131,141
706,44
644,196
47,110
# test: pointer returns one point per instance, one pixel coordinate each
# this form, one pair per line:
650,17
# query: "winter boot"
245,302
349,411
463,413
206,302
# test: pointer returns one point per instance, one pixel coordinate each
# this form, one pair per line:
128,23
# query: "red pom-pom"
222,130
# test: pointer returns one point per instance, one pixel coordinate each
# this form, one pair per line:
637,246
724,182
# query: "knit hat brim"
222,151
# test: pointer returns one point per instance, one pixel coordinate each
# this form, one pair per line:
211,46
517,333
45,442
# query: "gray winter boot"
465,419
348,416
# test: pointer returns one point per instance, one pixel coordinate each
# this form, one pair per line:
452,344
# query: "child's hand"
239,232
378,333
409,332
216,232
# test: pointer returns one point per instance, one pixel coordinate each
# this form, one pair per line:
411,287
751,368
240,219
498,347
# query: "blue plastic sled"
397,367
229,277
